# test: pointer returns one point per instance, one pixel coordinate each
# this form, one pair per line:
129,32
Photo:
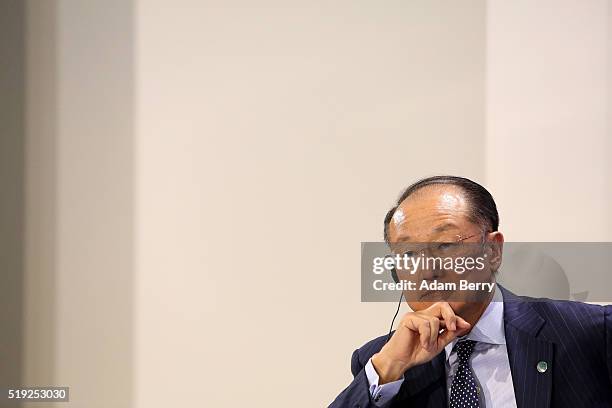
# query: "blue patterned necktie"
464,391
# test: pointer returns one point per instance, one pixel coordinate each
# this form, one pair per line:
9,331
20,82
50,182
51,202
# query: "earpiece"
394,275
393,271
399,304
394,316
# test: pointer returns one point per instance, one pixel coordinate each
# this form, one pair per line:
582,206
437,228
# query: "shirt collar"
489,328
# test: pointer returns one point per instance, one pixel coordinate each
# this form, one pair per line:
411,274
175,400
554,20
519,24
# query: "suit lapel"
425,385
532,387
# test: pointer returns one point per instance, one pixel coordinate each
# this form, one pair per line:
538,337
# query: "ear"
494,249
394,275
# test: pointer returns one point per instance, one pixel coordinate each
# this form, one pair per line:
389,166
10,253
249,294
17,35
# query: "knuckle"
418,315
409,322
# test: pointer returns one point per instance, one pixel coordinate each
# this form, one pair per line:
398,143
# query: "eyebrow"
445,227
439,228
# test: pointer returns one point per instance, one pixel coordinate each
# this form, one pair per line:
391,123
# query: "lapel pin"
542,366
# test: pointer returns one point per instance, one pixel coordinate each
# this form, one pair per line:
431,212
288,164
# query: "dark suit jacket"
575,339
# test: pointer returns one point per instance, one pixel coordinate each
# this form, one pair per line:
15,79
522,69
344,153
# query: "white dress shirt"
489,362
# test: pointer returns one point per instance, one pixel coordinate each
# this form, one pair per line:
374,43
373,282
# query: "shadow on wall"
12,99
527,271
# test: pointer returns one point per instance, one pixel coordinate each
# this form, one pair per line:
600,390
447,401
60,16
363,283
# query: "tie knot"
464,350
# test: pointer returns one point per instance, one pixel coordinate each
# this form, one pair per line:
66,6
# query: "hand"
419,337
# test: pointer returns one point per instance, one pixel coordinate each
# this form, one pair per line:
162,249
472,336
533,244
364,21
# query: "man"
498,351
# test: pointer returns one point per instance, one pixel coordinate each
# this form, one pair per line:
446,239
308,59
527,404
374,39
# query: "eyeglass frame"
426,248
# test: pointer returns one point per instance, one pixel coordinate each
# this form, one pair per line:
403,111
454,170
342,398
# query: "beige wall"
549,134
200,176
271,140
548,118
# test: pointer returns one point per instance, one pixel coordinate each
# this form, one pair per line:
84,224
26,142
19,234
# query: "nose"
431,271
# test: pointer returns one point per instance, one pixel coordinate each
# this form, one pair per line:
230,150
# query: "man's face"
437,214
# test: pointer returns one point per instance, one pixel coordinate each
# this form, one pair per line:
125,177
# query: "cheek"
481,275
458,307
418,306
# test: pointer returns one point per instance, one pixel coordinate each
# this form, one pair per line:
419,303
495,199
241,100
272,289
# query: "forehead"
429,213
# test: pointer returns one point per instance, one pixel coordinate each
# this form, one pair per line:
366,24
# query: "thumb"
463,327
446,337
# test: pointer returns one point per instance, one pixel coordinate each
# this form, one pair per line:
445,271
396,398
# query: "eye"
409,254
445,246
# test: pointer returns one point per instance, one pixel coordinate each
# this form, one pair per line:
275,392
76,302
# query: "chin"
457,307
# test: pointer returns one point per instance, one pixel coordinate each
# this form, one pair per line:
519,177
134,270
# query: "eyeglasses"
437,249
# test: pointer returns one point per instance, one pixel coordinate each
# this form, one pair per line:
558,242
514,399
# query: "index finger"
444,311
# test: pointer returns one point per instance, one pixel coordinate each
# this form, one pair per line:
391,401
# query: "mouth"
435,295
